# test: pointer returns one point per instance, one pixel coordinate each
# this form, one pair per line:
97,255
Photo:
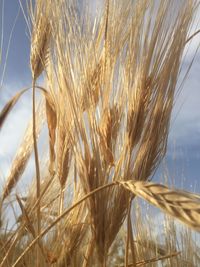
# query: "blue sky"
183,155
18,58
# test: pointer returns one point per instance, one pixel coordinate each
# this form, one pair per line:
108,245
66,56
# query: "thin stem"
127,237
192,36
61,204
132,245
37,168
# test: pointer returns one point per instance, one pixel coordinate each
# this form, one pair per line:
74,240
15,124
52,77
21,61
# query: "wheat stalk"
38,57
39,54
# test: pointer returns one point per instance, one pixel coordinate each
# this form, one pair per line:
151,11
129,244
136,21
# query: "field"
103,88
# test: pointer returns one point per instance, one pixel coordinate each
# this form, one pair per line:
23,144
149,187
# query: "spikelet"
91,90
52,123
64,153
108,132
40,40
138,110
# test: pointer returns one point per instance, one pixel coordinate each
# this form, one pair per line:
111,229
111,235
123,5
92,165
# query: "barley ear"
181,205
40,47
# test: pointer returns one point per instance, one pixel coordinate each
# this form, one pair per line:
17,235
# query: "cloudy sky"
183,155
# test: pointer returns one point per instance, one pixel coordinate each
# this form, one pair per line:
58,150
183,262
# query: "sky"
183,154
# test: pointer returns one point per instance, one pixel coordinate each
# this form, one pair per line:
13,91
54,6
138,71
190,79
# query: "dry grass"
38,57
109,92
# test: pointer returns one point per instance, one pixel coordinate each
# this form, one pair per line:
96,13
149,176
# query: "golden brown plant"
110,87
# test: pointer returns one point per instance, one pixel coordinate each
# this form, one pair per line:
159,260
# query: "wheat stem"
131,235
37,168
127,237
192,36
